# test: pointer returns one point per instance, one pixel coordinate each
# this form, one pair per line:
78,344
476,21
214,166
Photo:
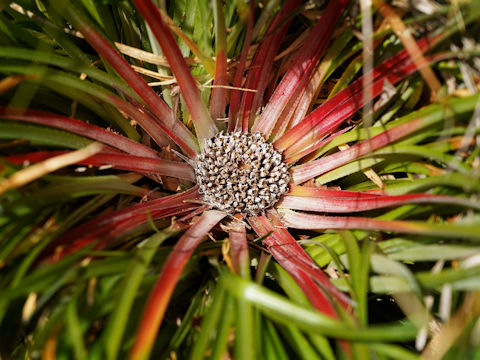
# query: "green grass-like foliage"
361,268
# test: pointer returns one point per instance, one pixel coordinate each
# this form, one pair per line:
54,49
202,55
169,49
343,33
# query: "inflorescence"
241,173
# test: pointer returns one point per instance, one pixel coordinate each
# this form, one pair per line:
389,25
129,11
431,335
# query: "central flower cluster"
241,173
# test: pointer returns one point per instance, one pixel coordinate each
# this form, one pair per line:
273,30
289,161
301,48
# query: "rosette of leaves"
118,118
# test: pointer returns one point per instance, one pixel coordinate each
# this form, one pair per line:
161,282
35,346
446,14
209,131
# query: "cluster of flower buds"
241,173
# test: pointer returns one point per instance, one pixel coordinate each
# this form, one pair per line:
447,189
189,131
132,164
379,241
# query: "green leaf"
286,312
75,331
117,321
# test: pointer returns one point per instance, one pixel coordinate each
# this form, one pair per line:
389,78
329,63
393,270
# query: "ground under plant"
230,179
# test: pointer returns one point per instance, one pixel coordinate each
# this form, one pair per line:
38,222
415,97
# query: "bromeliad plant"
289,153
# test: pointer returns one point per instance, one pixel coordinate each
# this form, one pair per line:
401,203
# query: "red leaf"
298,264
218,99
218,96
361,201
106,227
116,160
302,173
260,68
78,127
239,248
344,104
298,190
299,220
315,145
123,68
300,72
204,125
175,169
102,236
32,157
237,82
152,125
167,280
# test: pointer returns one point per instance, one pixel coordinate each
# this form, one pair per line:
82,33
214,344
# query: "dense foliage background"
82,246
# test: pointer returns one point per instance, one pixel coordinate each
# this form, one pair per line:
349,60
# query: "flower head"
240,173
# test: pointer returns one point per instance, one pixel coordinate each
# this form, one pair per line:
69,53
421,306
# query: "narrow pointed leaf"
345,204
282,310
290,159
299,73
344,104
426,117
218,96
204,125
206,61
238,244
260,69
78,127
293,259
235,97
175,169
33,172
108,226
117,321
302,173
310,191
152,125
118,160
103,236
168,278
298,220
67,64
106,50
